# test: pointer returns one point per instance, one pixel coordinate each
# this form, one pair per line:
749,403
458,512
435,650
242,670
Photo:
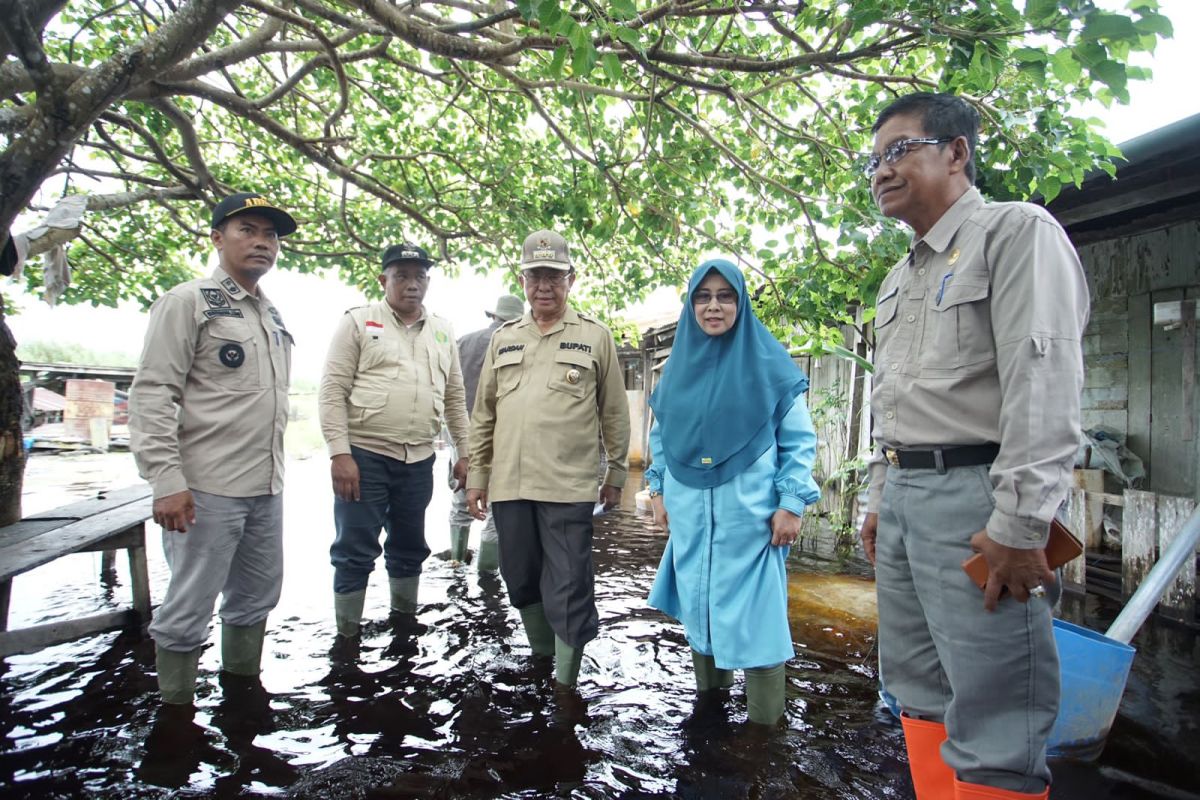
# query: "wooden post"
5,594
1139,535
139,579
1075,571
1090,527
1179,600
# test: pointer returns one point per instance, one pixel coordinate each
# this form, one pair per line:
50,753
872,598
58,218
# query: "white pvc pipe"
1143,601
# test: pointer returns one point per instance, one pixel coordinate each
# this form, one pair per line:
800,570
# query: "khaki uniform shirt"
979,335
388,386
209,402
543,401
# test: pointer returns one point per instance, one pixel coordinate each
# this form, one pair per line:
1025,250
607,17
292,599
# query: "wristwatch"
654,493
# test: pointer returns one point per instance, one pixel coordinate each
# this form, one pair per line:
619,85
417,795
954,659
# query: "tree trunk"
12,446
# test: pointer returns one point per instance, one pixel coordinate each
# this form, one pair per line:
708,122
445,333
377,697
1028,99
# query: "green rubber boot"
708,676
489,555
460,535
348,611
537,629
566,662
177,675
241,648
765,694
404,594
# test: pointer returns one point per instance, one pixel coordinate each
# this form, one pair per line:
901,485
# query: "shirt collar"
938,237
401,322
230,286
569,317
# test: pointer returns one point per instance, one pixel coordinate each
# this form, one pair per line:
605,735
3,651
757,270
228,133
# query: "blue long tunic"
719,575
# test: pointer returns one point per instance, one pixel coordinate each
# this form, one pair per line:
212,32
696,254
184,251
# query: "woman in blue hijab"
732,448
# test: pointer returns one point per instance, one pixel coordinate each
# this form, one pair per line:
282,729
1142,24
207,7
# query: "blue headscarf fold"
721,398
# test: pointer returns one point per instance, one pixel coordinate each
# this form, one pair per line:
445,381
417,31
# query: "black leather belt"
942,458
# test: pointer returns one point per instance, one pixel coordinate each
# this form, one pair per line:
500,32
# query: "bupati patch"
232,355
580,346
215,298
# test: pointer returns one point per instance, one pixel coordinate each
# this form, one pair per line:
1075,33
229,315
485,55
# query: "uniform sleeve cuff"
169,484
878,475
792,503
339,447
615,478
1021,533
477,478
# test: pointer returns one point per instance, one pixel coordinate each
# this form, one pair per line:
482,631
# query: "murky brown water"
454,706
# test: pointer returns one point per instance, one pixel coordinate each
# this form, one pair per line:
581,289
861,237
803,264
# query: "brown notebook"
1061,547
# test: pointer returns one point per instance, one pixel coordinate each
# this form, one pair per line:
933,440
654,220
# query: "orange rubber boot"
932,779
975,791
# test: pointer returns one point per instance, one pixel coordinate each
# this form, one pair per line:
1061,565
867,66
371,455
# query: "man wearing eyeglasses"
392,375
551,387
978,373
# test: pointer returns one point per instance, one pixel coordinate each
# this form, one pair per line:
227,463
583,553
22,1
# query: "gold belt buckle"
892,456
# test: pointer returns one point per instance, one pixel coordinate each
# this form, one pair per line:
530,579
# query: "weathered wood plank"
1139,535
133,536
139,578
1075,571
103,501
1090,529
24,556
1140,397
27,640
5,594
1179,599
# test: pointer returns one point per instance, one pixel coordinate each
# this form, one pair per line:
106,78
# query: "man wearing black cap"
391,377
208,407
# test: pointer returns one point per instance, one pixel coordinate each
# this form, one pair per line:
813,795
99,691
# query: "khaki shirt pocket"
366,401
508,369
380,354
227,355
958,326
573,373
885,307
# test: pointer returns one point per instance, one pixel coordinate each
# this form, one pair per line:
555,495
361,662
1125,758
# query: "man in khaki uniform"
978,373
391,377
551,386
207,411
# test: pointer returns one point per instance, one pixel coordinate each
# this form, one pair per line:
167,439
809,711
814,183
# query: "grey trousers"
546,557
235,549
991,677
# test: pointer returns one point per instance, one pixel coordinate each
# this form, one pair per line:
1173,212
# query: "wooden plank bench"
111,521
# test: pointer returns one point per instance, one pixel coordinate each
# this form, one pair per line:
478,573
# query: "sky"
312,304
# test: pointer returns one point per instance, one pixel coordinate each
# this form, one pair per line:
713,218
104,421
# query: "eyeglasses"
898,150
549,277
726,297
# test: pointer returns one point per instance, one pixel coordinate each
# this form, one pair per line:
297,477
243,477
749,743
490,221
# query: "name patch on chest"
222,312
580,346
509,348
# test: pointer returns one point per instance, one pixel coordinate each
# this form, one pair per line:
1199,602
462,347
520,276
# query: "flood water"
454,706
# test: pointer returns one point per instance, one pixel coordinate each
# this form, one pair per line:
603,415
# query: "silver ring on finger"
1038,591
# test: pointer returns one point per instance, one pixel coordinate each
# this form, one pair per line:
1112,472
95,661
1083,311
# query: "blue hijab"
721,398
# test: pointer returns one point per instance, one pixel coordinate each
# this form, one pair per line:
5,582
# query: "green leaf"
583,59
559,61
1040,10
1156,24
1101,25
1110,73
631,38
622,9
612,66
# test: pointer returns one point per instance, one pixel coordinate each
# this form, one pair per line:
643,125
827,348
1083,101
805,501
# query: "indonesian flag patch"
373,329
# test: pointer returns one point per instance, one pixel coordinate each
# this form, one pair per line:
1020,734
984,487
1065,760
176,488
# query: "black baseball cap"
255,203
407,252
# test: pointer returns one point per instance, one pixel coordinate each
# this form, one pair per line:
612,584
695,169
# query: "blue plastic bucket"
1094,670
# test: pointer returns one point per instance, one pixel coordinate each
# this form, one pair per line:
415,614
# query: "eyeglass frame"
552,278
696,301
900,148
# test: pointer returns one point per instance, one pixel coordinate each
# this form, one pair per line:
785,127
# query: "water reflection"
451,702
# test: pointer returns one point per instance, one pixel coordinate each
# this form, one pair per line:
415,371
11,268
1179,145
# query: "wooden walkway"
112,521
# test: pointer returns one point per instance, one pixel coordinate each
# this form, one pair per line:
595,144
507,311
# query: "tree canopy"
648,131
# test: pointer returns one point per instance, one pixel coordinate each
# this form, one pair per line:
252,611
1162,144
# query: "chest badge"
232,355
954,254
705,460
573,376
